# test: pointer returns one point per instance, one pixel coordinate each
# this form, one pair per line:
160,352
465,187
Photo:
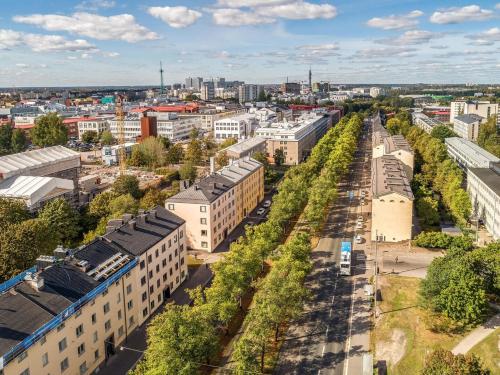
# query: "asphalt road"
332,334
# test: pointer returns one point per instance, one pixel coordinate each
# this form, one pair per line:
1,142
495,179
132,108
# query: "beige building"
216,204
392,203
295,138
72,310
484,109
208,117
467,126
246,147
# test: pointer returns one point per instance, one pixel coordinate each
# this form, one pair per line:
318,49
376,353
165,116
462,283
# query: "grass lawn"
488,351
401,336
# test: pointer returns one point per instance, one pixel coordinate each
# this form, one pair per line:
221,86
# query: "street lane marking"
348,342
330,315
323,351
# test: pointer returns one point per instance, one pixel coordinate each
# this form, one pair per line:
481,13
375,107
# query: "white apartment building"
467,126
425,122
238,127
468,154
92,124
110,155
483,186
340,96
377,91
207,118
216,204
484,109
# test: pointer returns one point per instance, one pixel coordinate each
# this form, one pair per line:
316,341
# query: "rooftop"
204,191
469,119
388,176
239,169
489,176
245,144
471,149
395,143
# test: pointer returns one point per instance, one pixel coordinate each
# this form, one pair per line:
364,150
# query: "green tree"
194,152
152,198
221,160
174,154
153,151
99,206
19,140
441,132
137,158
488,137
167,143
261,158
49,130
228,142
90,136
127,184
427,210
262,96
62,219
5,139
22,243
188,172
194,134
123,204
107,138
12,211
444,362
279,157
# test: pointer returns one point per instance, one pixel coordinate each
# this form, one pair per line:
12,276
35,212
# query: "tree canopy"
444,362
127,184
49,130
441,132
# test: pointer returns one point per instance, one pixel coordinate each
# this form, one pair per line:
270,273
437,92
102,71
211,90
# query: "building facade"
237,127
246,147
484,109
248,93
468,154
392,201
483,186
216,204
425,122
207,91
467,126
70,312
95,124
207,118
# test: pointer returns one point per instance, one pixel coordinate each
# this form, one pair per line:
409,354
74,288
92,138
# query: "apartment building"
71,311
467,126
377,91
207,91
216,204
296,138
392,202
484,109
39,176
425,122
248,93
237,127
207,118
468,154
483,186
95,124
246,147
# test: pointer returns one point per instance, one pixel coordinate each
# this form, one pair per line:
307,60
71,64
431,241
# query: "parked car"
359,225
267,204
358,238
360,218
261,211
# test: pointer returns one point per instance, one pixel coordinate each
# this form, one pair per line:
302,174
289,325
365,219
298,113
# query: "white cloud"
298,10
176,17
72,57
393,22
497,6
120,27
251,3
22,65
42,43
411,37
236,17
111,54
486,38
86,56
376,53
319,47
459,15
94,5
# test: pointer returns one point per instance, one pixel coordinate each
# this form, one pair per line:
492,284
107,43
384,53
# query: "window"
156,253
150,274
60,327
62,344
204,232
144,296
129,289
203,220
152,305
170,271
95,337
204,244
150,258
22,356
81,349
94,318
171,207
176,252
131,321
158,283
159,298
25,372
169,243
182,274
107,325
79,330
106,308
120,331
164,263
145,312
119,299
43,340
143,280
78,313
164,277
158,268
142,264
170,257
105,292
96,355
151,289
45,359
182,261
203,208
163,248
181,248
119,314
130,304
176,266
64,364
83,368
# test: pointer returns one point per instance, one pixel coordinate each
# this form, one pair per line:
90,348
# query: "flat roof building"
425,122
468,154
246,147
467,126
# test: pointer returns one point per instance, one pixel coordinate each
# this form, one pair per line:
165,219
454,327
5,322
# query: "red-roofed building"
186,108
72,125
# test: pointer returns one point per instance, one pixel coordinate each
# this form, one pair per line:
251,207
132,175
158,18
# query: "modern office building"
237,127
246,147
468,154
71,311
425,122
392,200
296,138
208,90
194,83
290,88
483,186
484,109
207,117
248,93
377,91
215,205
95,124
467,126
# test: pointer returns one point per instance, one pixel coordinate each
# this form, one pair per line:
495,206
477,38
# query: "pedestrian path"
477,335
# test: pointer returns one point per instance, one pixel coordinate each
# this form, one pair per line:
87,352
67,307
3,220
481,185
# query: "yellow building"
392,200
216,204
69,313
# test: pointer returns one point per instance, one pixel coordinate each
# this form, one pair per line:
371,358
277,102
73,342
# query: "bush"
169,174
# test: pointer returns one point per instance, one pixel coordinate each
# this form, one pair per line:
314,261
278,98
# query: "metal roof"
239,169
388,176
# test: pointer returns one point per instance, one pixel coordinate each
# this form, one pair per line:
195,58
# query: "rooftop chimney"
212,165
132,224
35,281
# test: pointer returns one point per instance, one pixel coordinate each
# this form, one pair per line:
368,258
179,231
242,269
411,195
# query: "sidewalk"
123,361
477,335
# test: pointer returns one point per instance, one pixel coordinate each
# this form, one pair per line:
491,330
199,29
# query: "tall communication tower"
310,77
162,86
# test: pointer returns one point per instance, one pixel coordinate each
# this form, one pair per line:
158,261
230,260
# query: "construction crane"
120,127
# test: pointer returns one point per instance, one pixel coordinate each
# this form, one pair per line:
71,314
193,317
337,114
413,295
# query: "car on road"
261,211
360,219
267,204
358,238
359,225
363,193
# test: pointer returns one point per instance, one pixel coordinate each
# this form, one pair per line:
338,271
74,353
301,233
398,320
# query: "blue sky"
120,42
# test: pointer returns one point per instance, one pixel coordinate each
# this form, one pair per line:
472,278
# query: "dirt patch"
392,351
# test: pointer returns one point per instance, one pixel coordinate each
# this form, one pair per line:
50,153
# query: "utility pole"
162,86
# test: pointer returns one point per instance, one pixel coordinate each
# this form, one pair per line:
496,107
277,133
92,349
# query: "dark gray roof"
206,190
388,176
489,176
96,252
469,119
143,232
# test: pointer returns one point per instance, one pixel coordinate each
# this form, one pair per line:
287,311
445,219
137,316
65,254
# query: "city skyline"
106,42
